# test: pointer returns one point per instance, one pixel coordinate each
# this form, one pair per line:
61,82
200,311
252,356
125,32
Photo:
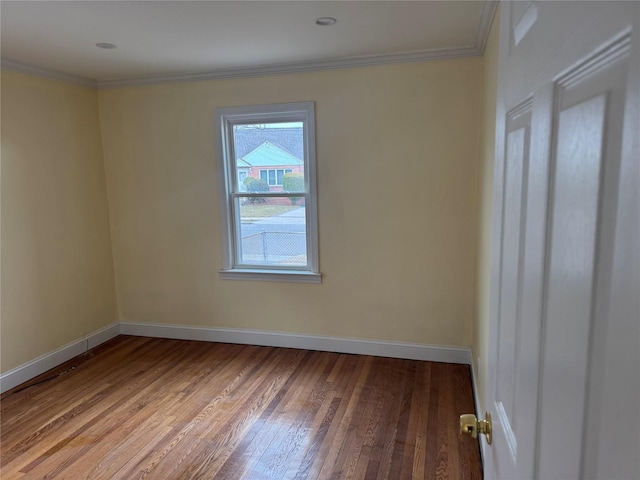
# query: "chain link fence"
275,247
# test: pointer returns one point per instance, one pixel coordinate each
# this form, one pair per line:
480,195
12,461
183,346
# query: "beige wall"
487,152
57,272
397,176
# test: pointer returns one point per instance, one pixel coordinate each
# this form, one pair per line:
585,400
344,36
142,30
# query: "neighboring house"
269,163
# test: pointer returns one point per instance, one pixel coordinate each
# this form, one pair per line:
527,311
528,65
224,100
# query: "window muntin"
269,217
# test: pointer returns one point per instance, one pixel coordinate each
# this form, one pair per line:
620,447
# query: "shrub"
256,185
293,182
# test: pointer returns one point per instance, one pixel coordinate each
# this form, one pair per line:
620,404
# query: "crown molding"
246,72
489,9
486,18
8,64
300,67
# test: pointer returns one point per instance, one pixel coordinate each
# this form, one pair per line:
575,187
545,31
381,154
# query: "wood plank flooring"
140,407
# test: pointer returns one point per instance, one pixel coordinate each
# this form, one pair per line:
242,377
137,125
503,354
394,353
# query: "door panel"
516,166
570,285
590,105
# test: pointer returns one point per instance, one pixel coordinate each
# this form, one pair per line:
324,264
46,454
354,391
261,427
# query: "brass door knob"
470,425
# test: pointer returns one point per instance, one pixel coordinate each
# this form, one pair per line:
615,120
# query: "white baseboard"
479,406
474,386
38,366
379,348
412,351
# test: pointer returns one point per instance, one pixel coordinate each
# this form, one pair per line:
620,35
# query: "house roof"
268,155
288,139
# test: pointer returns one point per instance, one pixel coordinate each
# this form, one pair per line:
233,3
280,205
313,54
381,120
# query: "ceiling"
173,40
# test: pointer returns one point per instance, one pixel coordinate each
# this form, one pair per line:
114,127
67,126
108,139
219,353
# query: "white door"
564,386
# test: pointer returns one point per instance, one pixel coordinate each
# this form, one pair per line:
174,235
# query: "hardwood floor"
140,407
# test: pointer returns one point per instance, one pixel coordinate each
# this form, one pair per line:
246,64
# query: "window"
269,212
274,177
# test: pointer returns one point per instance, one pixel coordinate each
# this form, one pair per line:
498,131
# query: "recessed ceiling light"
325,21
106,46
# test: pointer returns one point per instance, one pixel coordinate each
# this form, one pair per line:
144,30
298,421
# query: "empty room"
320,239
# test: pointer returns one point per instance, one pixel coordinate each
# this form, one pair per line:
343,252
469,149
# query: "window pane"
264,151
272,231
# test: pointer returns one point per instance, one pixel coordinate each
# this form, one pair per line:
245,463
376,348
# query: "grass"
262,211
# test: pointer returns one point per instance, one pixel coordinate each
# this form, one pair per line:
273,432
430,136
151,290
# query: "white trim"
12,65
271,276
480,408
258,71
103,335
476,50
486,20
474,385
38,366
299,67
357,346
224,120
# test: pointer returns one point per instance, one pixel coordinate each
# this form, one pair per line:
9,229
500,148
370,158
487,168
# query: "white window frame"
225,118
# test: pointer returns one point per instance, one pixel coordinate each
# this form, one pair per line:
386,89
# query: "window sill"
271,275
